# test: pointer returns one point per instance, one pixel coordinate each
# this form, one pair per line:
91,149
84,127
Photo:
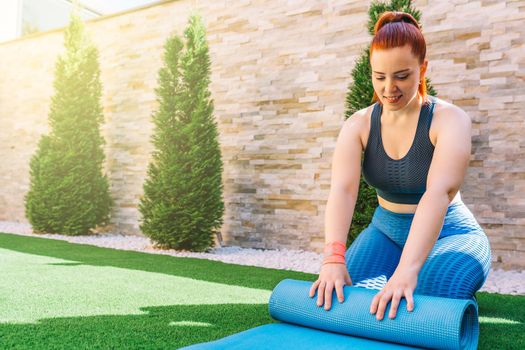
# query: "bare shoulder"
449,113
359,124
448,117
358,118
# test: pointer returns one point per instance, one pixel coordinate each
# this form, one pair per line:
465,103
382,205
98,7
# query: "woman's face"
396,74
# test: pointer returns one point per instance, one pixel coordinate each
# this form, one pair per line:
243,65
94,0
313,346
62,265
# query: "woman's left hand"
402,284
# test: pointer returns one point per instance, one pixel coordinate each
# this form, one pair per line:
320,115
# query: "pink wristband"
334,248
334,259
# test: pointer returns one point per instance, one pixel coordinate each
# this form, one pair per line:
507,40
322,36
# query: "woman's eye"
402,78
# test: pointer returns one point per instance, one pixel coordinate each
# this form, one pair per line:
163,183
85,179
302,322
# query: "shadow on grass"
200,269
165,327
173,327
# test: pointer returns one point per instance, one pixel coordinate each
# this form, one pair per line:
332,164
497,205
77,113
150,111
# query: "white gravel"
498,281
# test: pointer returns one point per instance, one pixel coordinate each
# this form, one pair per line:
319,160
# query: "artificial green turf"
37,287
58,295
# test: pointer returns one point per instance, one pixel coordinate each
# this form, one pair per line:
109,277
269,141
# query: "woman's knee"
456,267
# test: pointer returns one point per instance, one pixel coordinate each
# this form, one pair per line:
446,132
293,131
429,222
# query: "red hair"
397,29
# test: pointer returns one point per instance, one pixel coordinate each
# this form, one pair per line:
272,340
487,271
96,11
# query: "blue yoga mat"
435,323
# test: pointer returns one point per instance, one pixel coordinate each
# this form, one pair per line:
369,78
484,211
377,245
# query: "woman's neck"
406,113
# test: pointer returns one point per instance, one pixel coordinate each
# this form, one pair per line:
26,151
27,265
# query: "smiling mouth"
393,98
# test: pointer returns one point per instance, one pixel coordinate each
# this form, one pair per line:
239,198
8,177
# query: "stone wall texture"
280,73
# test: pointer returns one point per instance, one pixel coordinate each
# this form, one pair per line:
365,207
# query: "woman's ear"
423,69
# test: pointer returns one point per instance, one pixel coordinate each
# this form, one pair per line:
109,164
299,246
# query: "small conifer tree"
182,205
68,193
360,96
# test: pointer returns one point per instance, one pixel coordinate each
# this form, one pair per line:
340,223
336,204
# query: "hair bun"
395,16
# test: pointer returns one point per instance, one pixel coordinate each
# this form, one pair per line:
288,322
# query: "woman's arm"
445,176
344,186
344,182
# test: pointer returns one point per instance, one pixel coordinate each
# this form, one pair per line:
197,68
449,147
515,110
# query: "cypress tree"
182,205
68,193
360,96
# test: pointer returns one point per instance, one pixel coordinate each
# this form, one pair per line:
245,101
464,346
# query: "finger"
375,302
410,300
383,302
348,280
339,290
328,295
313,288
395,304
320,293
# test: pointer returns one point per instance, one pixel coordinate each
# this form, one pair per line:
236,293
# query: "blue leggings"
456,267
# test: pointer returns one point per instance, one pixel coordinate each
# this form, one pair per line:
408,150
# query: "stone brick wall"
280,72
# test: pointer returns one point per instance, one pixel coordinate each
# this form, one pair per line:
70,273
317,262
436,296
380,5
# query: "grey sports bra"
399,180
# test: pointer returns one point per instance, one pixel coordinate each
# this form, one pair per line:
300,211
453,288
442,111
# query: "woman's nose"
390,86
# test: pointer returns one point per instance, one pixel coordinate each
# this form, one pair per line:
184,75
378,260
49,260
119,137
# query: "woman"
422,238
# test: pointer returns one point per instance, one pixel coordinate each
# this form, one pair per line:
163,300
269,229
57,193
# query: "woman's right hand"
331,275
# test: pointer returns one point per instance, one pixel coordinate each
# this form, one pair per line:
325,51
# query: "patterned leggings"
456,267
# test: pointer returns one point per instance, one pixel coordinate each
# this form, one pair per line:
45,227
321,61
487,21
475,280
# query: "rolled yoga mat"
435,323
